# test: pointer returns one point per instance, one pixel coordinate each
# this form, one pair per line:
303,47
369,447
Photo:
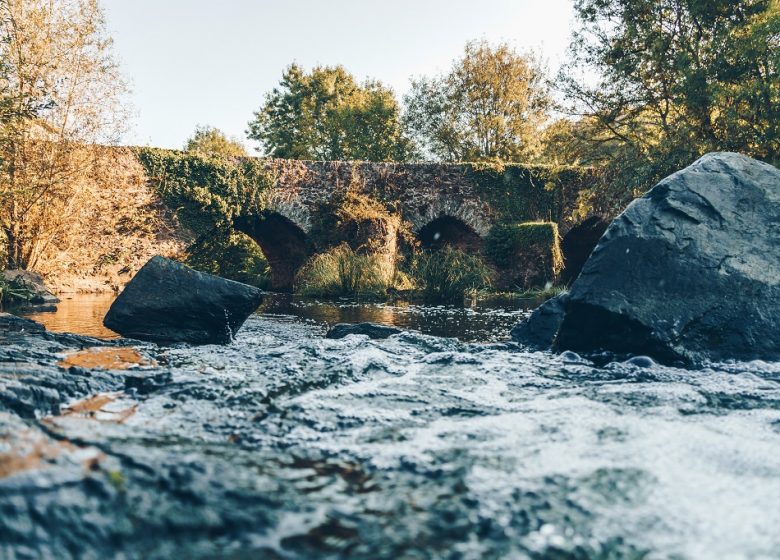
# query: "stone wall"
478,195
122,222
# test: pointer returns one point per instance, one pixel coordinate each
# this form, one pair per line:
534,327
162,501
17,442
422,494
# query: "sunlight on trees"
490,106
327,115
60,90
676,79
207,140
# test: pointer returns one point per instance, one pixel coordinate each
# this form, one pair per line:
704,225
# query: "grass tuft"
341,272
448,275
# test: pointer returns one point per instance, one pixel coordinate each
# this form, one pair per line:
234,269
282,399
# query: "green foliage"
207,192
676,79
327,115
230,255
542,294
449,274
345,216
343,272
13,292
489,107
531,192
506,242
210,141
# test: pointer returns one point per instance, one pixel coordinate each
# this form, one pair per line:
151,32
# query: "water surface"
288,445
477,322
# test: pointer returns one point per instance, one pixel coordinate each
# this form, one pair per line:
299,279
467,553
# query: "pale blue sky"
209,62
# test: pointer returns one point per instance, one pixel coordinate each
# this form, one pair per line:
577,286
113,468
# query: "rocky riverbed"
284,444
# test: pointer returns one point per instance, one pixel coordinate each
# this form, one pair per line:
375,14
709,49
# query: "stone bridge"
439,203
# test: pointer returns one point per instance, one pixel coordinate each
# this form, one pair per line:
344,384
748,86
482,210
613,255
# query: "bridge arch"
449,231
284,244
473,213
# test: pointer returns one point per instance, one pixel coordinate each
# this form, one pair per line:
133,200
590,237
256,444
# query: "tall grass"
448,275
343,272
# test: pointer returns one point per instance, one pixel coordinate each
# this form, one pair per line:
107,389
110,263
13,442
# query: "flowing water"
288,445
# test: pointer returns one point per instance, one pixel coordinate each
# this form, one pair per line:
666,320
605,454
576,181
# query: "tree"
674,79
207,140
489,106
327,115
61,91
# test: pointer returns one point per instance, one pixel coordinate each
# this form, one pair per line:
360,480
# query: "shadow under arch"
577,246
285,245
447,230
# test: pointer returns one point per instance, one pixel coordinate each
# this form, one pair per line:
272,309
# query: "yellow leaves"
102,407
106,358
25,450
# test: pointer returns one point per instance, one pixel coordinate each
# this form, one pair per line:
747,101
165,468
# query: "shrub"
207,192
230,255
12,292
529,254
449,274
343,272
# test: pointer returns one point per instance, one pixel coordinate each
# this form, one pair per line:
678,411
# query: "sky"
207,62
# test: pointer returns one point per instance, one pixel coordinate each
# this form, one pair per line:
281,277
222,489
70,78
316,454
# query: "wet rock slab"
288,445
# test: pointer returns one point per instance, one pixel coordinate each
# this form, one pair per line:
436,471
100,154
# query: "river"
288,445
478,322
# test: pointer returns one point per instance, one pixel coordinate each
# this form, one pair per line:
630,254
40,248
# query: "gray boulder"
13,324
169,302
577,245
371,330
689,272
539,330
33,283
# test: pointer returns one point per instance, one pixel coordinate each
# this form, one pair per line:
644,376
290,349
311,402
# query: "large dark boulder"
540,329
169,302
689,272
577,245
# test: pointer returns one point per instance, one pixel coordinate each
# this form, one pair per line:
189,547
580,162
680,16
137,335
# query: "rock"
372,330
169,302
13,324
539,330
33,283
689,272
641,361
577,245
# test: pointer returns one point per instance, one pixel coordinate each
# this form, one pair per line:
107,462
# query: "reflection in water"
80,313
477,323
83,314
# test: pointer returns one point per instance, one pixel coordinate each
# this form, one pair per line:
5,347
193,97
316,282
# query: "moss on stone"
519,192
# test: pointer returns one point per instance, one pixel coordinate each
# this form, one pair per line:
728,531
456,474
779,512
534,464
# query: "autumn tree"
658,83
207,140
61,91
489,106
326,115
